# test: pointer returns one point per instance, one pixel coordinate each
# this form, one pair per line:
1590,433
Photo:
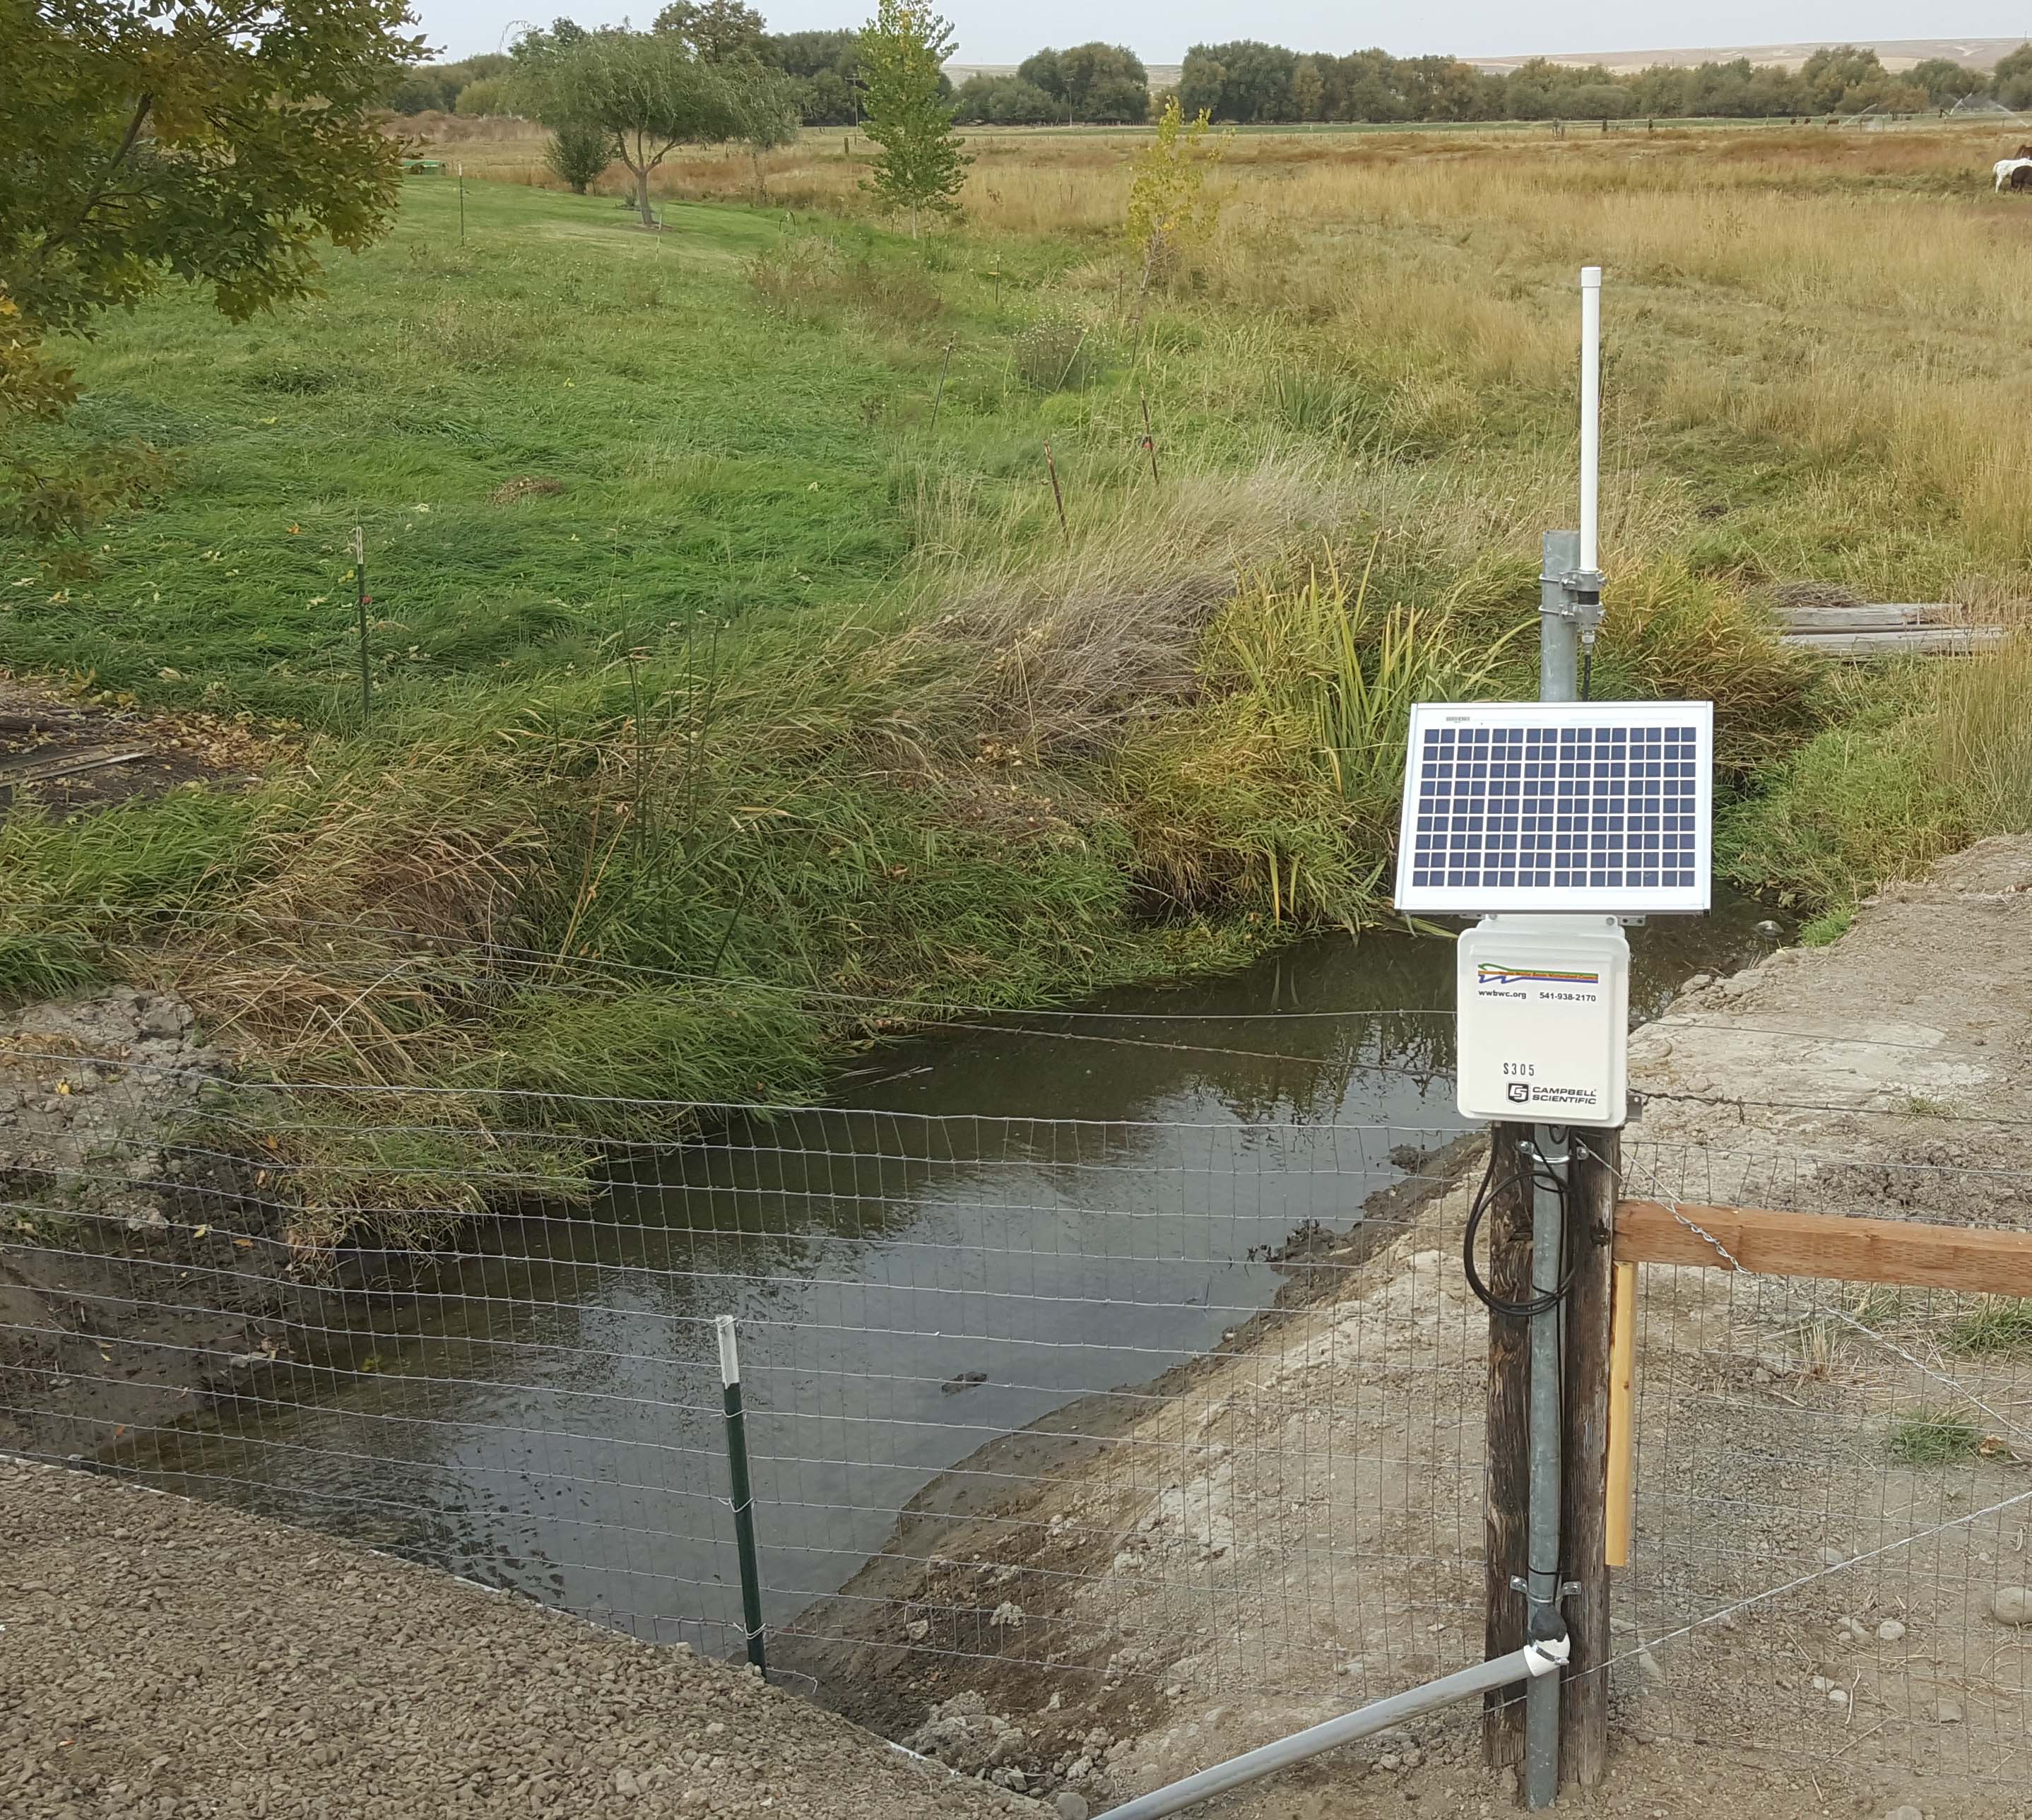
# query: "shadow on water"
994,1221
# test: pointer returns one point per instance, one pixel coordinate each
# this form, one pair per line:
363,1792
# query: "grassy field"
739,691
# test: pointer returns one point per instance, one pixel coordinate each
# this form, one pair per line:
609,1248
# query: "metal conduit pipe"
1530,1663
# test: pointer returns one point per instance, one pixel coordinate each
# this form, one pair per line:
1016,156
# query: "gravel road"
160,1656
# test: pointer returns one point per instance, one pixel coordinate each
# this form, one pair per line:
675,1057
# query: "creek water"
990,1222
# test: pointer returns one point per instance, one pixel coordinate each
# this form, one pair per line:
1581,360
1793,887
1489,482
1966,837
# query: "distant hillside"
1896,52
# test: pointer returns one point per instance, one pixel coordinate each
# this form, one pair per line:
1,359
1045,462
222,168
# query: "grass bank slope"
780,629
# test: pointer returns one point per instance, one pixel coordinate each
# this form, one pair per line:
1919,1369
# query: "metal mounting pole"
1569,611
1542,1588
1558,680
1558,626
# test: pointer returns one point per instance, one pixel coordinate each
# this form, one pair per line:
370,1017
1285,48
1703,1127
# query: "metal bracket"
1519,1584
1581,589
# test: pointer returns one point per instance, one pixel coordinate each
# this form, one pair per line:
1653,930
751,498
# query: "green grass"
767,719
1928,1437
2003,1324
711,459
1862,802
1828,927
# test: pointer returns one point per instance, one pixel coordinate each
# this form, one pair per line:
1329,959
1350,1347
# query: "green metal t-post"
359,599
744,1496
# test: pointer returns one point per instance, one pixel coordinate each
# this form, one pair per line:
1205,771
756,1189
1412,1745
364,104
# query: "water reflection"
1013,1215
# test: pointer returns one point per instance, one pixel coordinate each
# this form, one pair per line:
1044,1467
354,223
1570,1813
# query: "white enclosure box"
1543,1020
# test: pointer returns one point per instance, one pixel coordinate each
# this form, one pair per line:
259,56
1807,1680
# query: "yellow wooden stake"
1622,1398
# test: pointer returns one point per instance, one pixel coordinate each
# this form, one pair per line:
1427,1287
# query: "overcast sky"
993,31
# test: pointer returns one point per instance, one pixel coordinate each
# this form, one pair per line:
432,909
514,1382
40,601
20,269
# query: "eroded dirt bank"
96,1094
159,1656
1295,1526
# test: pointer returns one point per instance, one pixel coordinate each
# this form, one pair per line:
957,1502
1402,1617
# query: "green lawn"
711,458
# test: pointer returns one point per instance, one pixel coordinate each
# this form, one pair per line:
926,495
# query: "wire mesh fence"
1060,1342
1833,1499
1124,1420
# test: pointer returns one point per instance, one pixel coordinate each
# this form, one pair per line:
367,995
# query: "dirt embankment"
165,1658
1294,1527
91,1090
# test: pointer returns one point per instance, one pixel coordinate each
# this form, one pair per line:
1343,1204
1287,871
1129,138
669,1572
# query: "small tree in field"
1169,212
909,113
646,90
578,154
767,102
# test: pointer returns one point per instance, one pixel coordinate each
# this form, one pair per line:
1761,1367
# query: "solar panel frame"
1562,798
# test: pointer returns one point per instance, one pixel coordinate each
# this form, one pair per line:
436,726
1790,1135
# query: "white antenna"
1590,417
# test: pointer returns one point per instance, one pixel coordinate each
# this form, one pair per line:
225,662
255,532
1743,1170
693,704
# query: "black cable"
1544,1621
1587,672
1484,1196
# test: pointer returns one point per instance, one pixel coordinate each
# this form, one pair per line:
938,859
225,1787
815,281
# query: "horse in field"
2014,173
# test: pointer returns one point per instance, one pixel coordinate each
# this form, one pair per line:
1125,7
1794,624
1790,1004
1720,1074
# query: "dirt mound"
76,753
168,1657
526,487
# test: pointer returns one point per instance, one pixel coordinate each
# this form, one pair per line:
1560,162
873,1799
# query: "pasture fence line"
1112,1424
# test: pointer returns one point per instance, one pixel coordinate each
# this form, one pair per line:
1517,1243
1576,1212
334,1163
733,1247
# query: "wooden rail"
1891,616
1770,1243
1918,642
1767,1241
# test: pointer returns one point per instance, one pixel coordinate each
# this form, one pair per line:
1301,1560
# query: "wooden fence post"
1506,1430
1596,1174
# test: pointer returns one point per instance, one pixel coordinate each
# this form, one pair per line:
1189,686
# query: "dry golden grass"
1856,297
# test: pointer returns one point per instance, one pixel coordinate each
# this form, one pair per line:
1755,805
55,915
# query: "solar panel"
1595,805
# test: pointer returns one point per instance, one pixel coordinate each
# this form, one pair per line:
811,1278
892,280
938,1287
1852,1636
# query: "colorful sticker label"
1494,973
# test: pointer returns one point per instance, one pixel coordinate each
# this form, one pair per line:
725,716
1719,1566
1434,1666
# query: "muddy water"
1013,1214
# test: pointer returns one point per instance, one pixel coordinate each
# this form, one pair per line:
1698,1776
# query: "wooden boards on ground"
1893,629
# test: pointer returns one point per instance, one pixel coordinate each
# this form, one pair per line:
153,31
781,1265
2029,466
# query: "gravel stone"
2013,1605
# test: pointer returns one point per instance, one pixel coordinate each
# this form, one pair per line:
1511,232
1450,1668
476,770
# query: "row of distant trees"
1101,83
821,71
1250,81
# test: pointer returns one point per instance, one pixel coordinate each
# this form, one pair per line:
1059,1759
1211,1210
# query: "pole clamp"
1580,604
1566,1590
1545,1622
